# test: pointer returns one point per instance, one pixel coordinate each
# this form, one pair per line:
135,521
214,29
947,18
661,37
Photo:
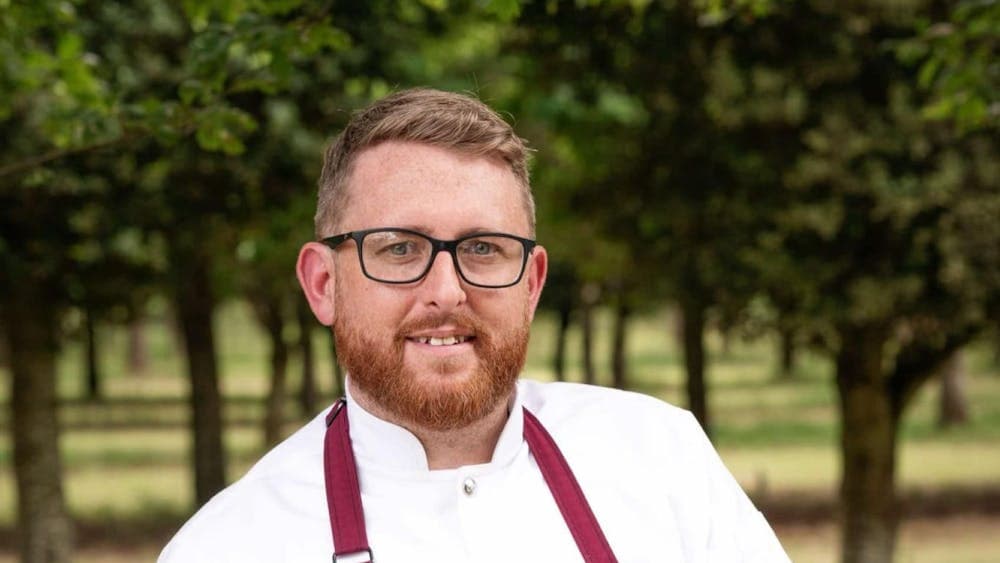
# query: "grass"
951,540
966,539
127,459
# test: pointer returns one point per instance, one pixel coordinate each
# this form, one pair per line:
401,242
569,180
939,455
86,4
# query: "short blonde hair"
442,119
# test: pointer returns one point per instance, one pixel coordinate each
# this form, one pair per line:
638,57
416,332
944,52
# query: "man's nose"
442,285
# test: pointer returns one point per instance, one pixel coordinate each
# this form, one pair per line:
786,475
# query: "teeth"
446,341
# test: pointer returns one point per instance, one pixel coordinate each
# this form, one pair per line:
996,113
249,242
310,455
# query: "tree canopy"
837,162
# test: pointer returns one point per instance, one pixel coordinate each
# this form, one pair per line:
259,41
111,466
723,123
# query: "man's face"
438,352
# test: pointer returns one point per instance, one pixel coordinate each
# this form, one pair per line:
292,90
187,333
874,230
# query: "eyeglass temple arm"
335,241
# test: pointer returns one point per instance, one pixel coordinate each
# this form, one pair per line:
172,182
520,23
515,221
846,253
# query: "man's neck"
448,449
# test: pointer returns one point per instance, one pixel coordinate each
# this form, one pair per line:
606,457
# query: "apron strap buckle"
363,556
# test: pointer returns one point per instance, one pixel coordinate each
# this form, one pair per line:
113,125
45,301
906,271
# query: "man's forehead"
391,156
407,182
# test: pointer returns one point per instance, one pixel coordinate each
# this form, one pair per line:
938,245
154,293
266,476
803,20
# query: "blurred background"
783,215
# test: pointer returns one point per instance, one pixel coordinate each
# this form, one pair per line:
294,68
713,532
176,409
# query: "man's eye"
482,248
399,249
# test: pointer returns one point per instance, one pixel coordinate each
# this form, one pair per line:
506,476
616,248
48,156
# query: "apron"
347,517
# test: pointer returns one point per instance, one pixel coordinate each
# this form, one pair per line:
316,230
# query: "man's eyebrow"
463,233
405,227
477,231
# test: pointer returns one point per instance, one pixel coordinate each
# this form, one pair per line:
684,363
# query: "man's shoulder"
293,461
607,433
277,495
564,399
625,417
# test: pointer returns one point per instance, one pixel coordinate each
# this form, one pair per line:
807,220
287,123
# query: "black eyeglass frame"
437,245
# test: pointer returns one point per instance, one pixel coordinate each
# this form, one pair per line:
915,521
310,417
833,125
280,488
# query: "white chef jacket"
653,480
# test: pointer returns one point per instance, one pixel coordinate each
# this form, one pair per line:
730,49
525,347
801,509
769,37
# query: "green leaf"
437,5
223,129
505,10
928,72
190,90
941,109
70,46
280,7
323,36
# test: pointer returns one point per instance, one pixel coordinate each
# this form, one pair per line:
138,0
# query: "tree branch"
31,163
921,359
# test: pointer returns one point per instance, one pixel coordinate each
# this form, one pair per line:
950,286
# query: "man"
427,270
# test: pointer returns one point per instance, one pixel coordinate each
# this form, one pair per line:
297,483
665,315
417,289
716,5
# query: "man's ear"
536,268
315,270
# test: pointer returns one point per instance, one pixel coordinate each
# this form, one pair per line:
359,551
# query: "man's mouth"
442,341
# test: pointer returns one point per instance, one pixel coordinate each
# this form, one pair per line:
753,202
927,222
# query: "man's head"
418,333
441,119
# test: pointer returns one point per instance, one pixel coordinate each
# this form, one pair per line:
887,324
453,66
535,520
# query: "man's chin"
434,388
447,369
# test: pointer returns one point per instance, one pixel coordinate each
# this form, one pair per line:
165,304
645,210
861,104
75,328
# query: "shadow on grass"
795,507
158,524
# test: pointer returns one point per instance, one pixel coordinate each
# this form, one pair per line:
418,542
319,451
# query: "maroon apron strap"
343,493
347,519
569,497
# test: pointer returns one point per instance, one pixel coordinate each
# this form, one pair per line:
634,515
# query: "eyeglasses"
391,255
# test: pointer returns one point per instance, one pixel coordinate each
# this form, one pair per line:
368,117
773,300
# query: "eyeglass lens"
400,256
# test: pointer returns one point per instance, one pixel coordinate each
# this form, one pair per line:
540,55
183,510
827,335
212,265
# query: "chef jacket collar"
394,448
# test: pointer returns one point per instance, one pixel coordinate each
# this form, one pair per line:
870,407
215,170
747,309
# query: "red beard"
441,405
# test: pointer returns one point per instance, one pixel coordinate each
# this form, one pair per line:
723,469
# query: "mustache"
459,320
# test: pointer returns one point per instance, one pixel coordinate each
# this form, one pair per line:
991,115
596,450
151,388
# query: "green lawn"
127,460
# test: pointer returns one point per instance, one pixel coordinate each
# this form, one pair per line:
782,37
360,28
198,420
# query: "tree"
151,80
619,355
956,48
267,253
54,233
884,242
308,399
780,147
635,84
953,406
83,77
51,241
46,530
560,297
194,199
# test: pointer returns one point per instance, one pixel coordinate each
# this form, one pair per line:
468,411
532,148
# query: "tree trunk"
619,364
868,448
693,344
726,337
954,407
307,392
996,347
46,531
274,323
559,359
338,372
93,375
195,304
589,295
787,341
138,353
587,352
4,362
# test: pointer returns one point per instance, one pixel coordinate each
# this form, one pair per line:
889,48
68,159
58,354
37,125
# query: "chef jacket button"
469,486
